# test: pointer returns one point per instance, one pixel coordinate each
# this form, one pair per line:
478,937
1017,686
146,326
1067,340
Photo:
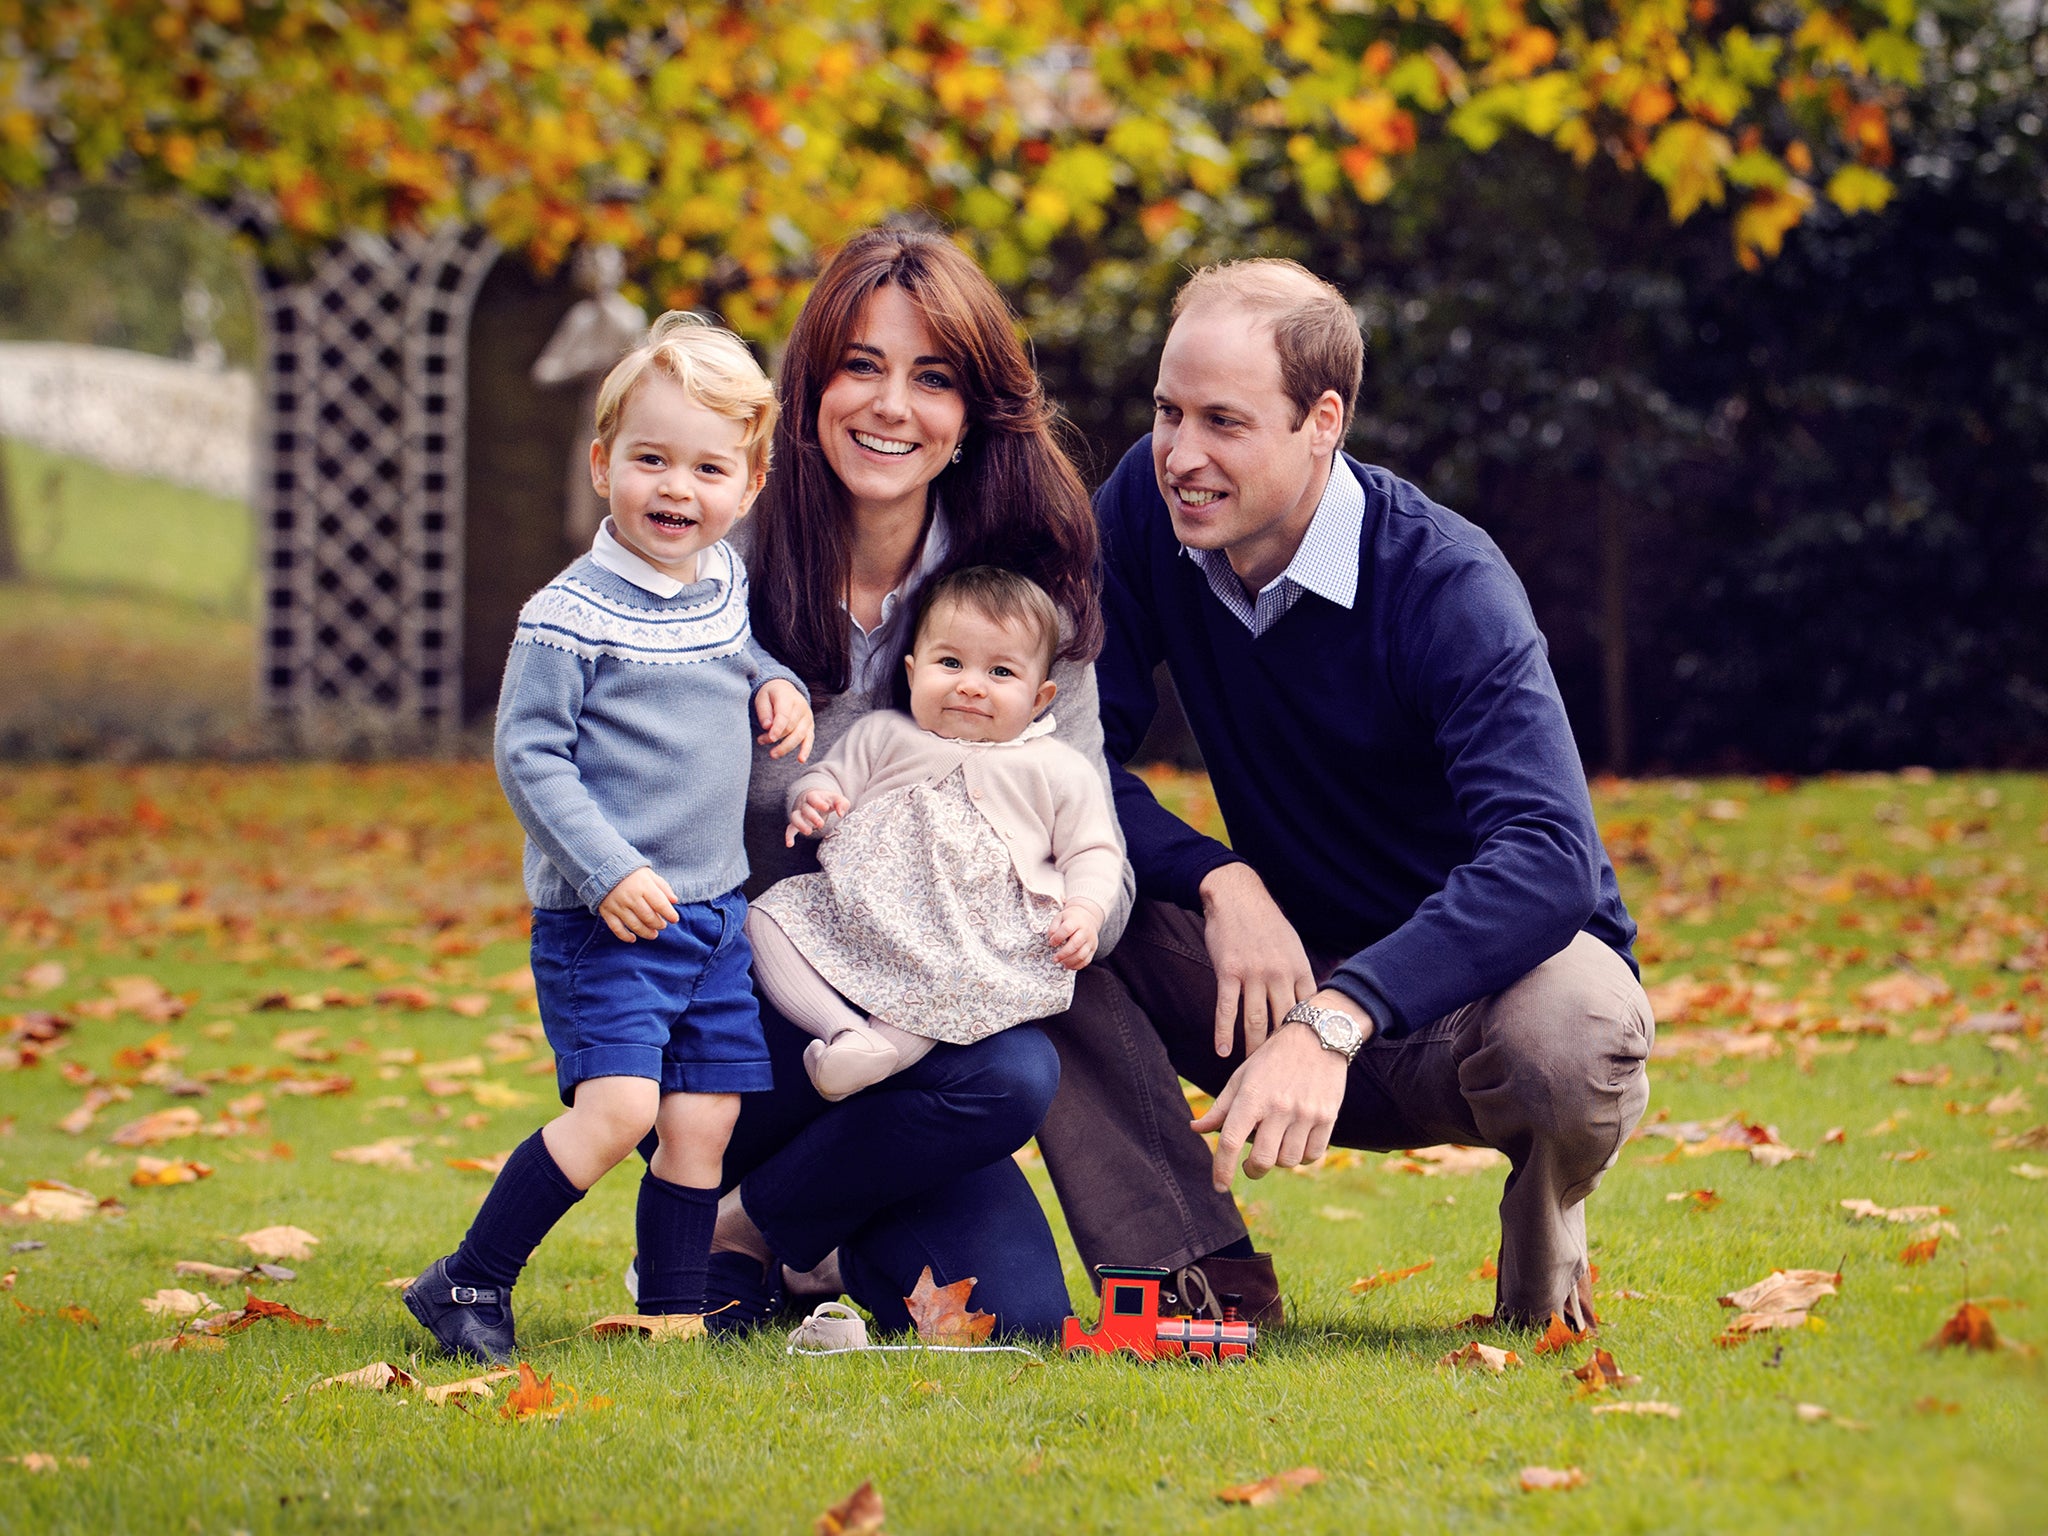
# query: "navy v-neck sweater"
1401,774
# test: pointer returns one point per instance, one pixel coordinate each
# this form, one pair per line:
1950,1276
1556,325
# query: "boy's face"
676,476
974,678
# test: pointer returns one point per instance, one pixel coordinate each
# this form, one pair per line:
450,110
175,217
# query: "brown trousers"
1549,1071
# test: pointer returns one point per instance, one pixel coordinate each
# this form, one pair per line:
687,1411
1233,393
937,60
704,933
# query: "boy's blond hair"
711,364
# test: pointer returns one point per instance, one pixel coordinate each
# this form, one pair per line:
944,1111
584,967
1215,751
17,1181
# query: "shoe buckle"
469,1295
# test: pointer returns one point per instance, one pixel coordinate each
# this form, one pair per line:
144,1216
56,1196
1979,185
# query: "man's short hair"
1314,329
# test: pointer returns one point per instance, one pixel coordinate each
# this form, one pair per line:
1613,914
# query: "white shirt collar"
1325,562
607,551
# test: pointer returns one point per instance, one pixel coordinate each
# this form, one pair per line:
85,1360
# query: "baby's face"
973,678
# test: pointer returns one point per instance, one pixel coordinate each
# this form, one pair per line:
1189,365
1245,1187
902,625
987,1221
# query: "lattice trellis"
360,484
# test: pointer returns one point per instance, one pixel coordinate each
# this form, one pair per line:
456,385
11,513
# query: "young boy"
622,744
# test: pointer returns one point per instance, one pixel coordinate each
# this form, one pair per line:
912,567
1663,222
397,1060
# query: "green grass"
230,884
79,525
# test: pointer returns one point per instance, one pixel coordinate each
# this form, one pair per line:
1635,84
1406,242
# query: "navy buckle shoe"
464,1319
740,1294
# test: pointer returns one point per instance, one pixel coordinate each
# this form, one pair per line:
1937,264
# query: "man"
1415,936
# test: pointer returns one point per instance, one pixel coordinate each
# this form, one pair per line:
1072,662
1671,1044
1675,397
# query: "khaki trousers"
1549,1071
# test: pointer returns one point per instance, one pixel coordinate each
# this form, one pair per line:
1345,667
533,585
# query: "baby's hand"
642,904
786,722
1074,933
813,807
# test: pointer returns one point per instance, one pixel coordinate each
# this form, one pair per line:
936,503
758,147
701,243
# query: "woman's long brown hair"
1014,499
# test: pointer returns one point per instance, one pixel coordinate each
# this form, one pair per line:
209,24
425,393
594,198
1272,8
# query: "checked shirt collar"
1326,562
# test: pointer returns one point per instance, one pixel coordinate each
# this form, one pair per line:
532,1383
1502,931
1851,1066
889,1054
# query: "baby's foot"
851,1060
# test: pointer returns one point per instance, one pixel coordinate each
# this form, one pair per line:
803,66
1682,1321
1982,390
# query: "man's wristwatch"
1337,1030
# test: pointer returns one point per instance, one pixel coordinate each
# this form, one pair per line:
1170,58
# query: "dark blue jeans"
914,1171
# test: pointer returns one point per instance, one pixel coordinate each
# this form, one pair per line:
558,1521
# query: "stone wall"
133,412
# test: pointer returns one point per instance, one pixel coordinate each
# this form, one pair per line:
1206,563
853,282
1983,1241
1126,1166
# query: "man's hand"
641,905
1257,956
813,808
1284,1101
1075,933
786,723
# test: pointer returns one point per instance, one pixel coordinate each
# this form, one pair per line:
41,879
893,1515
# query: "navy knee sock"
673,1224
530,1194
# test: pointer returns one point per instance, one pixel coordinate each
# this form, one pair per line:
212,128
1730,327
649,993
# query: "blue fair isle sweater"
1400,773
625,731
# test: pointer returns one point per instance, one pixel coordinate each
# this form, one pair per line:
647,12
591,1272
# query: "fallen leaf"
1476,1353
80,1119
377,1377
412,999
177,1341
1867,1210
469,1386
494,1095
1339,1213
1382,1277
1701,1199
1658,1410
1560,1335
1549,1479
48,1200
391,1152
316,1087
1487,1270
858,1514
303,1044
2014,1102
1834,1136
534,1397
680,1325
1935,1405
1453,1159
179,1303
2028,1171
279,1242
1600,1373
940,1312
44,976
470,1005
230,1274
1269,1489
160,1171
163,1125
78,1317
2033,1138
1919,1252
1911,1155
1968,1327
493,1164
1902,991
42,1461
255,1309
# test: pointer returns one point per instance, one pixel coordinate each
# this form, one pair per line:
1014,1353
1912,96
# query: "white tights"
811,1003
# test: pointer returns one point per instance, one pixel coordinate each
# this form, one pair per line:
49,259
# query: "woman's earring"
958,449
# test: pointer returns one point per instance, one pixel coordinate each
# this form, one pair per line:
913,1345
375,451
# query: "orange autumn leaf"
858,1514
1560,1335
1550,1479
1968,1327
163,1125
533,1397
78,1317
1484,1355
1487,1270
1268,1489
159,1172
1920,1252
1382,1277
1599,1373
940,1313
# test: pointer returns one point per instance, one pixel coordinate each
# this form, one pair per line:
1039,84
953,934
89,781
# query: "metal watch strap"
1308,1013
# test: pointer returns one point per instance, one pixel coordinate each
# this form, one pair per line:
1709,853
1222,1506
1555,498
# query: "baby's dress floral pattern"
917,917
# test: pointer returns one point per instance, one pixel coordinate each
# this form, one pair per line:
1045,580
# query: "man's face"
1236,469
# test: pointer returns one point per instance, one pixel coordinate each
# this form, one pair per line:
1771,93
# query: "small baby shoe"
834,1325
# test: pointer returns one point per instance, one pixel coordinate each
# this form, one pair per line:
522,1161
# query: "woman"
914,440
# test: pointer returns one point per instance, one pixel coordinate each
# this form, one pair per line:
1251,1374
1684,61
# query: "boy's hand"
641,905
1074,933
786,723
812,809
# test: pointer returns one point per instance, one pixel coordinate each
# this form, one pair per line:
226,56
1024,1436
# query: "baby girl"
972,860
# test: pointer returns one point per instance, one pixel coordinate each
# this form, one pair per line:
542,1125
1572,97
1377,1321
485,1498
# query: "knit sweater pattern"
625,731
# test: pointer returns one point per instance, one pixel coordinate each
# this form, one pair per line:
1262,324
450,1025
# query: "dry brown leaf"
1785,1290
377,1377
393,1152
858,1514
1600,1373
493,1164
43,1461
940,1312
2033,1138
1651,1408
78,1317
461,1066
316,1087
49,1200
1698,1199
1452,1159
303,1044
44,976
471,1005
163,1125
1902,991
1920,1252
156,1172
1560,1335
1868,1210
659,1329
279,1242
1924,1077
1550,1479
170,1302
177,1341
1485,1355
1378,1278
1269,1489
469,1386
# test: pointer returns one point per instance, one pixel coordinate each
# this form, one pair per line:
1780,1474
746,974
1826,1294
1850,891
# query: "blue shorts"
678,1009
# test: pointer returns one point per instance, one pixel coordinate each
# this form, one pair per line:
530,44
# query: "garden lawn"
1857,963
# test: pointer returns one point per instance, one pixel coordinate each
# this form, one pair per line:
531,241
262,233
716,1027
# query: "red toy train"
1131,1323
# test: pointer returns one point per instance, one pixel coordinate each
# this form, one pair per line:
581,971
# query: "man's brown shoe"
1206,1289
